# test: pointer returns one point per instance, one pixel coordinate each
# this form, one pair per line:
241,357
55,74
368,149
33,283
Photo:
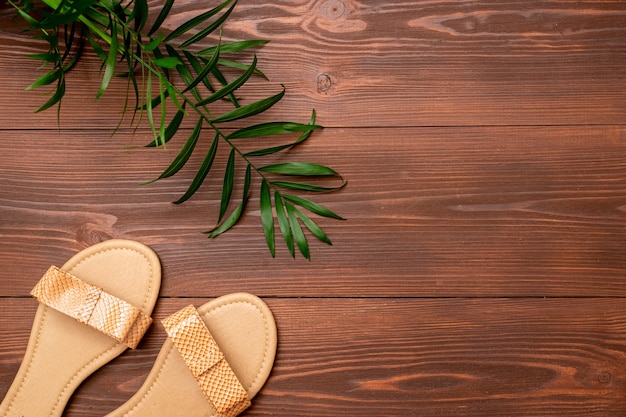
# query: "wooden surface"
481,268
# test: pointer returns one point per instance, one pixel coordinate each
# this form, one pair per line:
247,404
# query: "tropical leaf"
303,187
230,47
271,128
169,70
202,172
296,230
109,64
298,168
233,218
192,23
184,154
167,62
203,72
312,206
229,88
250,109
267,217
227,186
56,97
170,130
312,226
212,27
165,11
283,223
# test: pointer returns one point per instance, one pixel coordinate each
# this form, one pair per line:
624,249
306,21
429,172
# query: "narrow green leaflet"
170,130
296,230
109,65
250,109
312,226
192,23
217,73
298,168
267,217
165,11
56,97
303,186
167,62
202,172
199,67
230,47
139,14
236,214
211,28
239,65
283,223
27,17
184,153
312,206
46,79
227,186
275,149
154,43
271,128
203,72
228,89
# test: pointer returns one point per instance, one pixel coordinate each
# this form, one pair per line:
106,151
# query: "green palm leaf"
184,154
250,109
283,223
271,128
202,172
228,89
227,186
192,23
296,230
312,226
212,27
312,206
267,217
165,11
154,65
298,168
234,217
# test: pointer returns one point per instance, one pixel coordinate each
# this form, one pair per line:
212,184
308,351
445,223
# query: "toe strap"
206,362
92,306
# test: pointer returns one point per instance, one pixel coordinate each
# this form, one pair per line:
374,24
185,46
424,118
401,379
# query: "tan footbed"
61,351
243,328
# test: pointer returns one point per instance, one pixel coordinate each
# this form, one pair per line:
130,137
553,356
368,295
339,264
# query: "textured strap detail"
206,362
92,306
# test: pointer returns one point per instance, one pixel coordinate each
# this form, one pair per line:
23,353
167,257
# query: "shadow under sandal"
91,309
215,360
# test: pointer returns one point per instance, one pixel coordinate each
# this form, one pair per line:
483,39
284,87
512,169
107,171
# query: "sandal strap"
206,362
92,306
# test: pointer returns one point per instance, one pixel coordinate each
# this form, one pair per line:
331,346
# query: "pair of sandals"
98,304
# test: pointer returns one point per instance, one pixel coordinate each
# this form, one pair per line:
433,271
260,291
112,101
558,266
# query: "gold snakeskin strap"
206,362
92,306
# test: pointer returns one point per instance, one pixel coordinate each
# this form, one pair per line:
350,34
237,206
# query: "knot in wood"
332,9
324,83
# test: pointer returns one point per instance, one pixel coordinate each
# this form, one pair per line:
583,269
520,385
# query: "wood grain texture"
404,63
481,269
398,357
431,211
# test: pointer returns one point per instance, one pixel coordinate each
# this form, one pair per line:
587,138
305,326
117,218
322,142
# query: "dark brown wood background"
481,270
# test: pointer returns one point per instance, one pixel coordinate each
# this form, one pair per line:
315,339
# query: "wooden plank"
377,64
399,357
430,211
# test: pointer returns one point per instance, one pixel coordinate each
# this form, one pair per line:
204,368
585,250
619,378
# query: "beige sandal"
91,309
215,360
